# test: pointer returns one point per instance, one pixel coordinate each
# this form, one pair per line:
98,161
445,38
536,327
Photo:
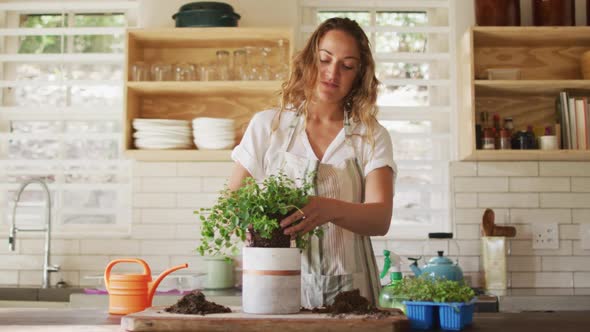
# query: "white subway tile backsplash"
529,216
525,248
196,201
523,231
463,168
168,216
481,184
379,245
539,184
143,200
581,184
196,262
524,168
542,279
578,251
214,184
474,216
58,246
465,200
109,247
168,247
171,185
21,262
468,263
188,231
566,263
466,247
136,184
9,277
35,278
524,263
580,216
569,232
508,200
147,169
541,292
581,279
467,232
564,168
573,200
163,232
205,169
82,262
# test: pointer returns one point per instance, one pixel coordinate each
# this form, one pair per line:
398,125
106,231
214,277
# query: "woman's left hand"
314,214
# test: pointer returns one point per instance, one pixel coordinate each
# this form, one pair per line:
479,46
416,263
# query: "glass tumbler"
184,72
240,69
222,65
139,71
161,71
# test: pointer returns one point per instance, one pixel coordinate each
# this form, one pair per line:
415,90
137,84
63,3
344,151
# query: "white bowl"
214,144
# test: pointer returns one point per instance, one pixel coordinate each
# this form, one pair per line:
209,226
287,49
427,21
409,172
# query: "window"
61,112
413,45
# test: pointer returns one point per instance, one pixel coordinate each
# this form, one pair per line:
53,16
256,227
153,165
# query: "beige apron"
340,260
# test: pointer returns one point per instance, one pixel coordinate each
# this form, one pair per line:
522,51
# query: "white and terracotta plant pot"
271,280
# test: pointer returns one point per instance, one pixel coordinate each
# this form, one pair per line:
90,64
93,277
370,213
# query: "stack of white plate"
162,134
213,133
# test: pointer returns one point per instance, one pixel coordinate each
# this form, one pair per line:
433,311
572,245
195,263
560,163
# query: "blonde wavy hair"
300,86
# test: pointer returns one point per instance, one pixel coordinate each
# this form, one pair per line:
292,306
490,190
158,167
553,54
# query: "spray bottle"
387,296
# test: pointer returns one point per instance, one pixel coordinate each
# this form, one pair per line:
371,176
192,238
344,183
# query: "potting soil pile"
351,302
194,303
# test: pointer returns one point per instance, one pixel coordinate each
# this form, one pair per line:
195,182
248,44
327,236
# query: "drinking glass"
161,71
240,69
139,71
184,72
222,65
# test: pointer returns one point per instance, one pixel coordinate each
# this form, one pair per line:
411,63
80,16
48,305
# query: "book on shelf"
573,115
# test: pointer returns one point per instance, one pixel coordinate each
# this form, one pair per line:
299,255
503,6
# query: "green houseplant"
253,213
425,296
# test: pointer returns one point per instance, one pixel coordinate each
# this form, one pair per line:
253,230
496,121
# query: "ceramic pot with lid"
206,14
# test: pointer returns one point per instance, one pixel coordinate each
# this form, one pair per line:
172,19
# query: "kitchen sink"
29,294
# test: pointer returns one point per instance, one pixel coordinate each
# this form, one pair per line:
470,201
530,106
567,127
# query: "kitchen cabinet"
186,100
548,59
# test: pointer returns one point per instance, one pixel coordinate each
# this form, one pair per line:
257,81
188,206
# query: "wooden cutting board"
155,319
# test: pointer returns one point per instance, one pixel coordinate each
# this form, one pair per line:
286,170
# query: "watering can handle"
107,271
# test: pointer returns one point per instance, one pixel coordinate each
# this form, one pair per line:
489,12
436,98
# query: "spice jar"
488,142
504,139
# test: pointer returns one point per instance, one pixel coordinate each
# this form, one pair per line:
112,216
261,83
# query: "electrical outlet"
545,236
585,236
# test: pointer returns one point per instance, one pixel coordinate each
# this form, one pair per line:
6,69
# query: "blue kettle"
438,267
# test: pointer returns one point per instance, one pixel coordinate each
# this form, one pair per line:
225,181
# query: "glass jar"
488,141
505,139
222,64
139,71
240,69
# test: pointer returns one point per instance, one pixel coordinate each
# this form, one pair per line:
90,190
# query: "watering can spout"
154,284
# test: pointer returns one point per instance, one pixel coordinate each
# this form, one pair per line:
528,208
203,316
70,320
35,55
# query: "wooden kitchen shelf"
206,88
238,100
549,62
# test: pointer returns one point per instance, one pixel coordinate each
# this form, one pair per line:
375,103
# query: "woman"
326,126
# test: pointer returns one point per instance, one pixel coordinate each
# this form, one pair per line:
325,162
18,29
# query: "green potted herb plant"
251,215
425,296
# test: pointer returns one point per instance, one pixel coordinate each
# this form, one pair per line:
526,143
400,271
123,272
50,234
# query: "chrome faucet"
13,229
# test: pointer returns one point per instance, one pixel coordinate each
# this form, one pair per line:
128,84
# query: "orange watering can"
130,293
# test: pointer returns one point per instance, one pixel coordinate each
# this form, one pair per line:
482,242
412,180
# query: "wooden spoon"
487,223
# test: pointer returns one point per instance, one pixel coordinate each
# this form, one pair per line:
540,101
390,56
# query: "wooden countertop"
35,319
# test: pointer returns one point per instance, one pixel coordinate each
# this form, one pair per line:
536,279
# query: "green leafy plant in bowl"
252,213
